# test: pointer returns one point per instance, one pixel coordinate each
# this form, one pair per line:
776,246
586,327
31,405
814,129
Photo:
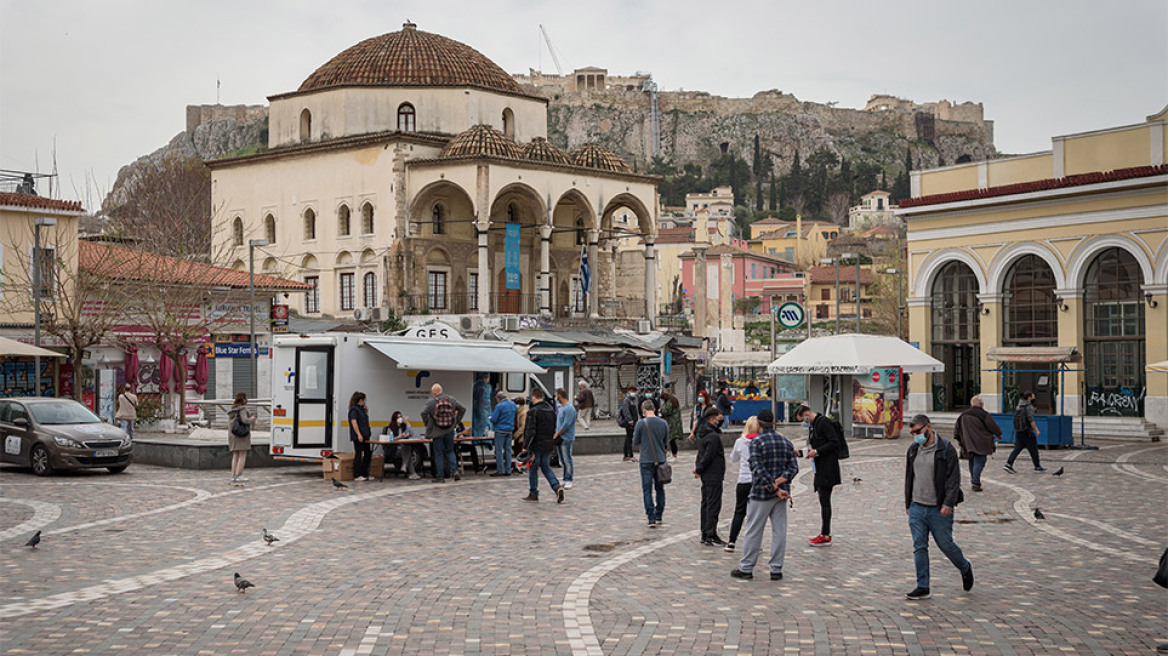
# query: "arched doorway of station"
956,336
1114,350
1030,318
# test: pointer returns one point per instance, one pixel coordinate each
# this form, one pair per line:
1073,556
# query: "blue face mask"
805,424
920,438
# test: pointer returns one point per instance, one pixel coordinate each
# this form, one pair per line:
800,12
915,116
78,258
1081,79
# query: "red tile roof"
39,202
825,274
120,263
1037,185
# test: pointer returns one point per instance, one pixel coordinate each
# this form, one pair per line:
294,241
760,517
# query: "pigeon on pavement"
34,540
1059,472
856,479
269,538
1038,514
242,584
337,484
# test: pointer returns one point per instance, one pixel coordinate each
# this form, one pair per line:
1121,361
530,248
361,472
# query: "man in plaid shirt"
773,464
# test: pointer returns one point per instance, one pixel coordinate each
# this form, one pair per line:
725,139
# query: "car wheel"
117,470
42,464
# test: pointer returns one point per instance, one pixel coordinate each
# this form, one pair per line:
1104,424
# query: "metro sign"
790,315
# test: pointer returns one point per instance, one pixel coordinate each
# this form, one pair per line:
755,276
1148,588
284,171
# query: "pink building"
751,275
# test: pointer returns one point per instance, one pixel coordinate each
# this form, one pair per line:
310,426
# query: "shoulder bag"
664,469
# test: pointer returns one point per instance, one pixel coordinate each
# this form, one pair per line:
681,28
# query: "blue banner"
235,350
511,255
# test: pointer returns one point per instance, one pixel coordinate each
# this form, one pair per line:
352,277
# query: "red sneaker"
821,541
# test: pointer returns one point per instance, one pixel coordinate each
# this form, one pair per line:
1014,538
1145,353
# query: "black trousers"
673,446
363,453
629,441
1025,439
741,499
825,509
711,505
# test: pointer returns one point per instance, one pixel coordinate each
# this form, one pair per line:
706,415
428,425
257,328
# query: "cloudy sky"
108,81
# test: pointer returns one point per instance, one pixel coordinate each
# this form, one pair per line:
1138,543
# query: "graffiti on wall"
1115,401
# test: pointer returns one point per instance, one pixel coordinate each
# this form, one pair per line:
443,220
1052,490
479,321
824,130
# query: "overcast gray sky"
108,81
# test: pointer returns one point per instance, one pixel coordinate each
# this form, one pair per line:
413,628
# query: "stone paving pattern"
142,563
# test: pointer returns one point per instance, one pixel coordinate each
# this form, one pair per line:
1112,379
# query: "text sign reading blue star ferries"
790,315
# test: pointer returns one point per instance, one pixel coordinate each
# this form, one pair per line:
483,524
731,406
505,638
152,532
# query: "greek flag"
585,269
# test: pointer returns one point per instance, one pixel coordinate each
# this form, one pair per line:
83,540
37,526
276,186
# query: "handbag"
664,469
1161,577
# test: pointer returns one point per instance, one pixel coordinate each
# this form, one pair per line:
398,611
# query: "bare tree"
165,206
886,298
836,206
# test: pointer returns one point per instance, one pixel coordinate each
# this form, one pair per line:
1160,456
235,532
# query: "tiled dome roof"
411,58
482,140
595,156
541,150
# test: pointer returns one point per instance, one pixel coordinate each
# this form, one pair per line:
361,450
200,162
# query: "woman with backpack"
239,436
826,449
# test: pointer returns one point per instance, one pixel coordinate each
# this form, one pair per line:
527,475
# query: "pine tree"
774,200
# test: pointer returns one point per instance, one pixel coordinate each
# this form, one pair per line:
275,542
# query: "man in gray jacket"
1025,434
441,416
651,434
975,432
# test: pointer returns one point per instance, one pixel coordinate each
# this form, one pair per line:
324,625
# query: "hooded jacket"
711,460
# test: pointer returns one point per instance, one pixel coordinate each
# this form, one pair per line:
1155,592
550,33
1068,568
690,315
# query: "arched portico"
1000,266
572,220
646,230
515,204
927,273
1086,253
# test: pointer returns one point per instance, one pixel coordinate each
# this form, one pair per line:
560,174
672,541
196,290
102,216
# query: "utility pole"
774,356
899,300
253,351
858,331
36,296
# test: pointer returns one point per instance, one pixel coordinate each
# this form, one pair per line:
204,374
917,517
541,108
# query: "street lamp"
835,261
899,299
36,295
251,246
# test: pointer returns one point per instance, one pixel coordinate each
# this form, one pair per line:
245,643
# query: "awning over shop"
853,354
740,359
544,351
693,352
10,348
462,355
1033,354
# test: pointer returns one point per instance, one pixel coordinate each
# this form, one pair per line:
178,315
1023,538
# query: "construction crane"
552,50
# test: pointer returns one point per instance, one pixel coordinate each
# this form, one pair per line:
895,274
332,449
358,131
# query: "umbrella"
1158,366
201,371
164,367
13,348
853,354
132,367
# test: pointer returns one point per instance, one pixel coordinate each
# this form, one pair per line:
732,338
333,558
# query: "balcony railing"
509,303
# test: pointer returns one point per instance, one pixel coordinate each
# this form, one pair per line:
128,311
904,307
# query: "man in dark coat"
825,449
538,439
975,433
710,467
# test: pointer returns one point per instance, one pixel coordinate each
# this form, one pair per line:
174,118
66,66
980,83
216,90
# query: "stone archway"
515,204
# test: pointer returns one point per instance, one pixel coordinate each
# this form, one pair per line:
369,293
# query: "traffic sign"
790,315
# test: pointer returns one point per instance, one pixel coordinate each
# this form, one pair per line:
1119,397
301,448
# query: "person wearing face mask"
359,433
627,418
932,490
825,450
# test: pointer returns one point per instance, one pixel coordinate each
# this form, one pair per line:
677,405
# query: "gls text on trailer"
314,376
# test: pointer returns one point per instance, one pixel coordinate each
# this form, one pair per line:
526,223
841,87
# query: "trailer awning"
456,356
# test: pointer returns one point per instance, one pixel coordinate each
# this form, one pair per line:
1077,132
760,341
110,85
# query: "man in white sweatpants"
773,464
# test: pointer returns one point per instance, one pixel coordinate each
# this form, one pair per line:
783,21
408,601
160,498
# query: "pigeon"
34,540
337,484
856,479
1059,472
242,584
269,538
1038,514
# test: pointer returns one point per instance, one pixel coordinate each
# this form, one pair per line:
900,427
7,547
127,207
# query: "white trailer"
315,375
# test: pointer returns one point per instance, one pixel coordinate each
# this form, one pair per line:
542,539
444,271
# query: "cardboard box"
338,466
377,467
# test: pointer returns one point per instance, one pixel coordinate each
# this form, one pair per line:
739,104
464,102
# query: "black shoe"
776,576
531,497
494,474
918,593
739,574
967,578
458,477
560,494
707,543
977,487
652,523
717,541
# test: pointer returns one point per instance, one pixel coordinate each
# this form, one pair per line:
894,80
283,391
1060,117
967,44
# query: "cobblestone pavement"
142,562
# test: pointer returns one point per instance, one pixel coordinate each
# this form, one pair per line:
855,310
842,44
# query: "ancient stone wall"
243,114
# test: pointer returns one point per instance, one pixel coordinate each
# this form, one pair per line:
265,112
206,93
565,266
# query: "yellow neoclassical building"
1023,259
411,172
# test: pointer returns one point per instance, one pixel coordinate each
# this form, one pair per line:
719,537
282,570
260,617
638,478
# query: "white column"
481,228
545,275
650,281
594,264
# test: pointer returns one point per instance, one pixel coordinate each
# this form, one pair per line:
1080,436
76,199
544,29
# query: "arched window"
1114,344
438,220
309,224
237,232
305,125
369,286
405,118
580,236
343,227
510,212
1030,318
956,336
367,219
509,122
270,228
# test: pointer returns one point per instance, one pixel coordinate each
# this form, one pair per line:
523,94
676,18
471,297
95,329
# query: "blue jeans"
479,420
444,454
564,450
542,462
976,465
648,483
923,520
128,426
503,452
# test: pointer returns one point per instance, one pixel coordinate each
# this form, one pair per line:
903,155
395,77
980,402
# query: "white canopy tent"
10,348
853,354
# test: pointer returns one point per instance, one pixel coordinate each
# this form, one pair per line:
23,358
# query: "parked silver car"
48,434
